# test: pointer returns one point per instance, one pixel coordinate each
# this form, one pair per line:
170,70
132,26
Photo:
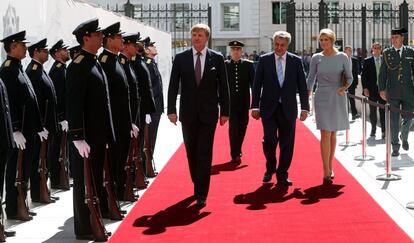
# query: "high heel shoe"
327,180
332,174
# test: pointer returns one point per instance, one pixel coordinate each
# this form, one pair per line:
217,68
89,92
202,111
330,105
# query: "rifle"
2,235
44,190
63,159
140,180
113,208
129,189
97,226
149,169
22,210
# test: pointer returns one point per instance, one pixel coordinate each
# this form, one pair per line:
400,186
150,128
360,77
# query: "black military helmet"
398,31
87,27
147,41
57,46
113,29
42,44
236,43
131,38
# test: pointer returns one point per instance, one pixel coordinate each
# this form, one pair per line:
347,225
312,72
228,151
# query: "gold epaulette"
58,65
78,59
247,60
122,60
7,63
149,61
104,58
133,58
34,66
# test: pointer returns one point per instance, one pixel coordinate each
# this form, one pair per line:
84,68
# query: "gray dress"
330,108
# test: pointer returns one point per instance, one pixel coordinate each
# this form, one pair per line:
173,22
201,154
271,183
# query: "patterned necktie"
377,66
279,69
197,69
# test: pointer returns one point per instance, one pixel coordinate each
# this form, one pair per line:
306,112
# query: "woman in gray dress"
331,113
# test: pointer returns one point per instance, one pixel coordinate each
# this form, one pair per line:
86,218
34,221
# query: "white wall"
56,19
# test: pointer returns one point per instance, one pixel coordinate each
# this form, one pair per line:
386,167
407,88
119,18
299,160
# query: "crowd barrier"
388,175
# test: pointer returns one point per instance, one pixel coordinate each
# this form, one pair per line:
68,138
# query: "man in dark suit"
279,76
355,71
57,74
240,74
46,98
24,112
202,75
90,121
370,74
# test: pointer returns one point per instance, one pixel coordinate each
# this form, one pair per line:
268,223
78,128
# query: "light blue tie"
279,69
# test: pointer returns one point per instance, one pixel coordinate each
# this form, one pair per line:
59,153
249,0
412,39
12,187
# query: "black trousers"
278,129
3,161
373,115
118,154
352,103
80,209
198,141
237,130
153,131
11,169
53,154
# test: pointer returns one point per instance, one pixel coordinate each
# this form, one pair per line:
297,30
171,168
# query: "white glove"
148,118
43,134
65,126
134,131
83,148
19,140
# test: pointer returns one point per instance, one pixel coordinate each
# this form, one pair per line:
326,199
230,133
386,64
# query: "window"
181,16
279,12
381,12
138,11
231,16
333,12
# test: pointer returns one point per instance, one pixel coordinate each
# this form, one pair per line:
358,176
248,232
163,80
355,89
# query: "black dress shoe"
405,145
236,160
267,176
14,217
395,153
284,182
9,233
372,134
84,237
201,203
31,213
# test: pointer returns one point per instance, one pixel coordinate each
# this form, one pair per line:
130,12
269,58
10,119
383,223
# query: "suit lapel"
274,67
207,64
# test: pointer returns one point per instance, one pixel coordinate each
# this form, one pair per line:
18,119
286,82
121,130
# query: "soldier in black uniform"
6,143
25,115
90,120
57,73
129,51
156,84
119,94
147,105
47,101
240,73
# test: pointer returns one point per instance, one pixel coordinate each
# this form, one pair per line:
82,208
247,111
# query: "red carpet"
242,209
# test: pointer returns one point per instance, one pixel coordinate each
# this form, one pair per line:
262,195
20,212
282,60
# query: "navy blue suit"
278,108
199,111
